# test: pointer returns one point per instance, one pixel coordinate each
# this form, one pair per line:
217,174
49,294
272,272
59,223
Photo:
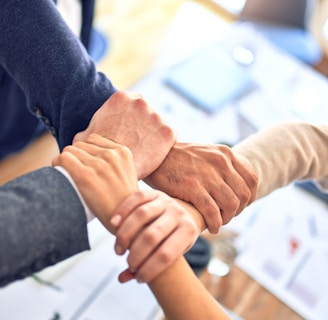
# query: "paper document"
86,287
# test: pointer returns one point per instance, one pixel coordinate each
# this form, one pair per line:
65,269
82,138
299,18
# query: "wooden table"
246,297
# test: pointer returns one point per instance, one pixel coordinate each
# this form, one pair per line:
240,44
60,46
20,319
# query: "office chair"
286,24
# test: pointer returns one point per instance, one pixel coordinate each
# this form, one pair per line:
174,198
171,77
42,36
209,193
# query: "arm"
129,120
170,230
182,296
209,177
42,223
64,89
50,65
177,289
156,229
42,219
284,153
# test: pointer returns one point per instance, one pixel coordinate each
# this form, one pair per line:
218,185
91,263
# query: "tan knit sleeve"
284,153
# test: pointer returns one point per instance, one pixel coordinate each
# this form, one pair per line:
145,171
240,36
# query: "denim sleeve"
51,66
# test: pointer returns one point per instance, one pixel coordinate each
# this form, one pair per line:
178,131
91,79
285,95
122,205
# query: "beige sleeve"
284,153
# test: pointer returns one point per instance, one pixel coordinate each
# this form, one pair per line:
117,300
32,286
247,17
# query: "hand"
156,229
104,173
128,119
208,176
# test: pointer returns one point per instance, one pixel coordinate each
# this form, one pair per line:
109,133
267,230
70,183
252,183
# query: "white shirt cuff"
88,213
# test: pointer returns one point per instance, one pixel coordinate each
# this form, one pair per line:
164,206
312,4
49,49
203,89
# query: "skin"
146,228
128,119
99,168
176,288
182,296
185,171
160,229
209,177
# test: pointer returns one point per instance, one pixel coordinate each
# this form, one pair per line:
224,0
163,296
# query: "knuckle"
165,256
143,214
78,144
141,195
225,152
225,149
106,154
245,197
140,104
69,148
63,156
151,236
119,94
126,153
168,132
92,137
191,231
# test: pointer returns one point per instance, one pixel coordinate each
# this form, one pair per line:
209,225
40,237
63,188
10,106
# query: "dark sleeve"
51,66
42,222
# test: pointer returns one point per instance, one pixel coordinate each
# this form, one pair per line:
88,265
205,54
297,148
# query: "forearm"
182,296
284,153
180,293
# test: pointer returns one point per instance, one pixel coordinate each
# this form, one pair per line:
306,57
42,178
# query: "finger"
227,200
126,276
68,160
95,150
249,177
211,212
162,258
96,139
247,192
86,154
133,225
126,207
151,238
73,165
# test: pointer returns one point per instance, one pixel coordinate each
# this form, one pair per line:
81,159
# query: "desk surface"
246,297
237,291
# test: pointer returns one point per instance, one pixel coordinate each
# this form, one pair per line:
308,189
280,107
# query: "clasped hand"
154,227
209,177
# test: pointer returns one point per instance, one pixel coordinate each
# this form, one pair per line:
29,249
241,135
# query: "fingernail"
116,220
119,249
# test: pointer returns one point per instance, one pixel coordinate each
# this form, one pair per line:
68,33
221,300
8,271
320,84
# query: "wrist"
89,215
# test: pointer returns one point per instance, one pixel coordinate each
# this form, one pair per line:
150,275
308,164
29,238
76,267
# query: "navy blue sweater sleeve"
49,63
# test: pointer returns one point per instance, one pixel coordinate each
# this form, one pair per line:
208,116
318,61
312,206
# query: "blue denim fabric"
45,67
